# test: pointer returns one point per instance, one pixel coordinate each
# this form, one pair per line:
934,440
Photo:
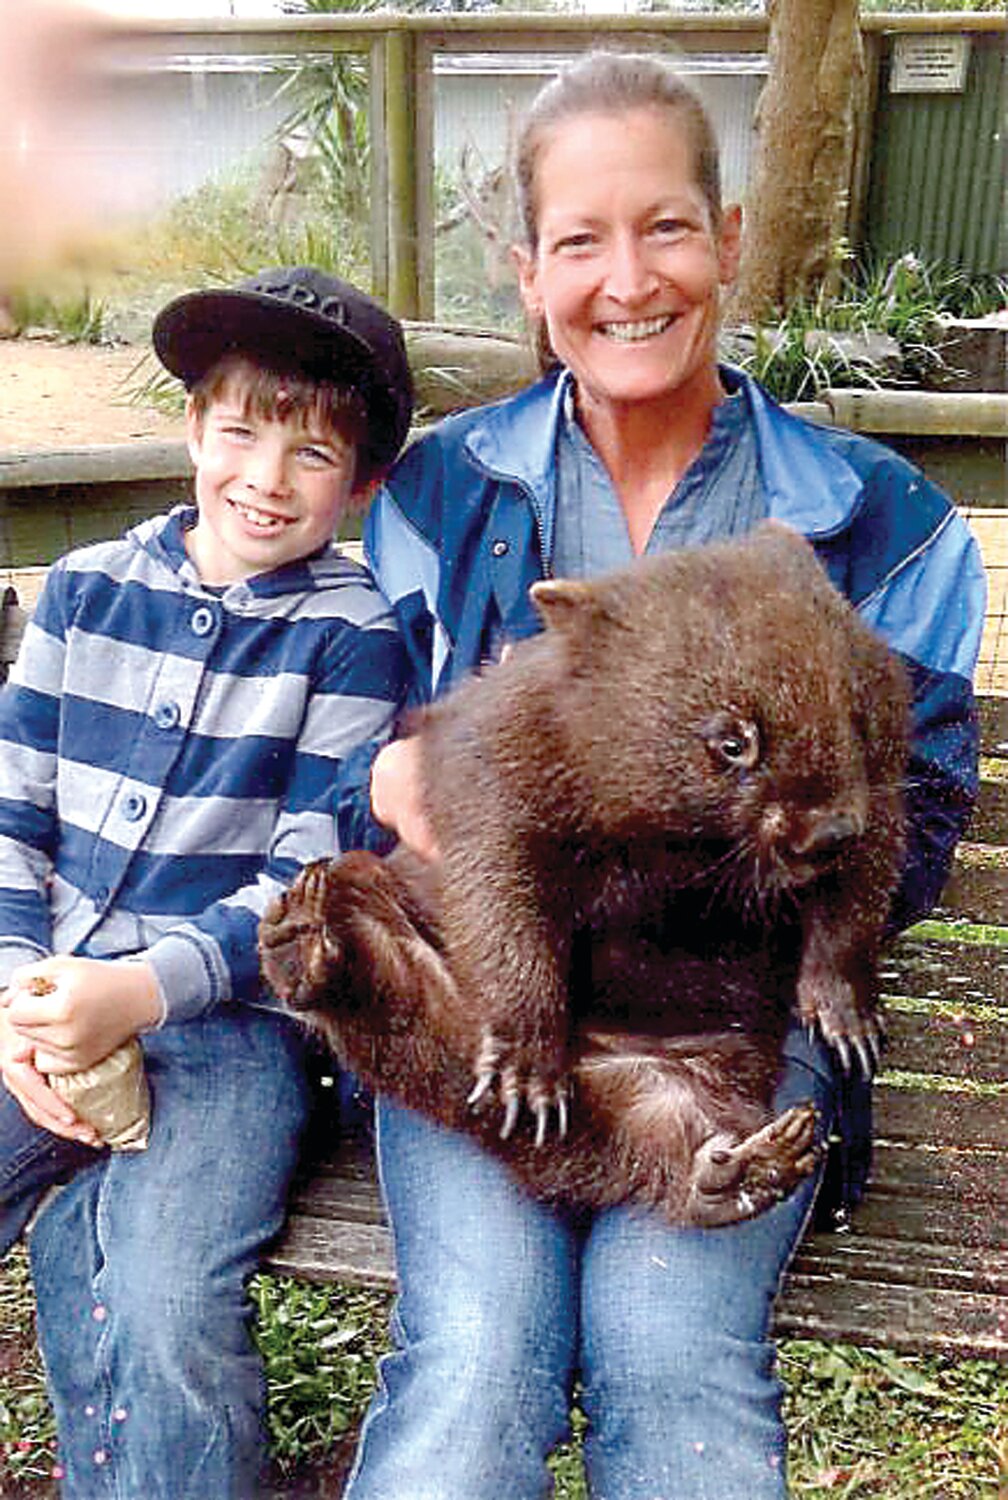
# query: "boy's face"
269,490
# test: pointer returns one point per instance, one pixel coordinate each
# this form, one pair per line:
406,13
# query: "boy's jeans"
503,1302
140,1263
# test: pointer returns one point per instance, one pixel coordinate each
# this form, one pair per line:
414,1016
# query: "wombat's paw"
498,1079
846,1025
853,1034
296,955
733,1181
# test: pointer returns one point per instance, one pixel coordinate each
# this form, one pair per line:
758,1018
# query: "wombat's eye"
733,741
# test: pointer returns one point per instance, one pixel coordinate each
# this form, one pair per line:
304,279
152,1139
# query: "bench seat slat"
321,1249
918,1116
910,1320
938,1265
978,893
930,968
336,1197
917,1216
949,1177
946,1045
991,815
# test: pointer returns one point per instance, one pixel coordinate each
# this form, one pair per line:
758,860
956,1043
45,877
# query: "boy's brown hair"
310,343
272,395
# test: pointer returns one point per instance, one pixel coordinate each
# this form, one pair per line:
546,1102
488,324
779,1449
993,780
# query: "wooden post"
400,131
378,169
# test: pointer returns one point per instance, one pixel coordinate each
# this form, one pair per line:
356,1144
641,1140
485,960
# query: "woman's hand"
71,1012
397,799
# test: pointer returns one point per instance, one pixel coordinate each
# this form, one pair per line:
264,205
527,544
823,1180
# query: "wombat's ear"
568,604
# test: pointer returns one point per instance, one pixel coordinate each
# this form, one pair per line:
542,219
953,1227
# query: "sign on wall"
929,64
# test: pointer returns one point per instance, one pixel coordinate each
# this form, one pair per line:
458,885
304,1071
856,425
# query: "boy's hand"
72,1012
29,1087
397,799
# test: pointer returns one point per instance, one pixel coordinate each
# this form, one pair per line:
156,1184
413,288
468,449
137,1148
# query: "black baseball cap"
298,320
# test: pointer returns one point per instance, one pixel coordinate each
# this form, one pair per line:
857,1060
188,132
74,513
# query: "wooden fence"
401,48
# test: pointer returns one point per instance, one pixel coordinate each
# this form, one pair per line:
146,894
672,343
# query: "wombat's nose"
826,834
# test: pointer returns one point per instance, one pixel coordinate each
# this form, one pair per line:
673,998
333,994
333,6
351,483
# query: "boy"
175,736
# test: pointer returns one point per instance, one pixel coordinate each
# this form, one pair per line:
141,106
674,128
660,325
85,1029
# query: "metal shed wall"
938,169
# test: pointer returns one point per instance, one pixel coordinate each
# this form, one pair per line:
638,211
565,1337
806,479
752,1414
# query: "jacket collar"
808,482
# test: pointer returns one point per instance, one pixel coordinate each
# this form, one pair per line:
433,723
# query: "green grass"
862,1424
73,312
27,1429
320,1345
982,933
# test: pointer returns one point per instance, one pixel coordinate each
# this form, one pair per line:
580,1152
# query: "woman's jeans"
141,1261
503,1303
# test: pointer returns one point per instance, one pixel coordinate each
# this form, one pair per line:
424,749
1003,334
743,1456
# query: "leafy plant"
328,96
320,1346
27,1428
826,340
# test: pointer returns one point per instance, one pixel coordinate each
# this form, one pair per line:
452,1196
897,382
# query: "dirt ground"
56,395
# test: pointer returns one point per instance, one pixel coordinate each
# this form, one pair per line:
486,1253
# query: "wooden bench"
924,1264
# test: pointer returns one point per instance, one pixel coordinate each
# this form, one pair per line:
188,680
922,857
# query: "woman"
635,441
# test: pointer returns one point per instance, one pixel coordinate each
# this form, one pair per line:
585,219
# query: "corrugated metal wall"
938,169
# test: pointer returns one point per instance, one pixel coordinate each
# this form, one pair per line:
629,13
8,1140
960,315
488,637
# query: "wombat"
666,823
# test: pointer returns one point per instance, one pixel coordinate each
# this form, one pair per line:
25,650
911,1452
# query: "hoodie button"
202,621
167,715
500,548
134,806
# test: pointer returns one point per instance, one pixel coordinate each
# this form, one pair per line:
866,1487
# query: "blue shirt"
719,495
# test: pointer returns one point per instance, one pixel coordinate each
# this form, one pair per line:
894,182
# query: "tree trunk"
796,203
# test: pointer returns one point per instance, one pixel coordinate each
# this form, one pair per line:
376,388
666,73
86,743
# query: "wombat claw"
867,1046
540,1101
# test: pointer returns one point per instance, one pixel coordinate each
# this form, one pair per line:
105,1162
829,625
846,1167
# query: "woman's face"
628,269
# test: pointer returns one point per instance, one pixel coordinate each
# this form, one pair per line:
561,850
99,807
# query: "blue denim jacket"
465,522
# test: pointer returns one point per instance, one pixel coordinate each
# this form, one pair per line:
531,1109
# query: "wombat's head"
729,698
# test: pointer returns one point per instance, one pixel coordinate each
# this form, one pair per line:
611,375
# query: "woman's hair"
609,83
613,83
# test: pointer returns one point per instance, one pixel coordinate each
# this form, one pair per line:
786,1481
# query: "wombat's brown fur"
664,822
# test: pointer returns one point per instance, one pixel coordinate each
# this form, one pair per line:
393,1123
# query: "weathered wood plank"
960,1197
95,463
916,1215
316,1250
989,823
953,1045
994,725
933,969
938,1265
920,412
979,893
911,1320
337,1197
972,1122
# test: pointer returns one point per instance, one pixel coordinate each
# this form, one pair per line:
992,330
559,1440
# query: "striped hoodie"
172,755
